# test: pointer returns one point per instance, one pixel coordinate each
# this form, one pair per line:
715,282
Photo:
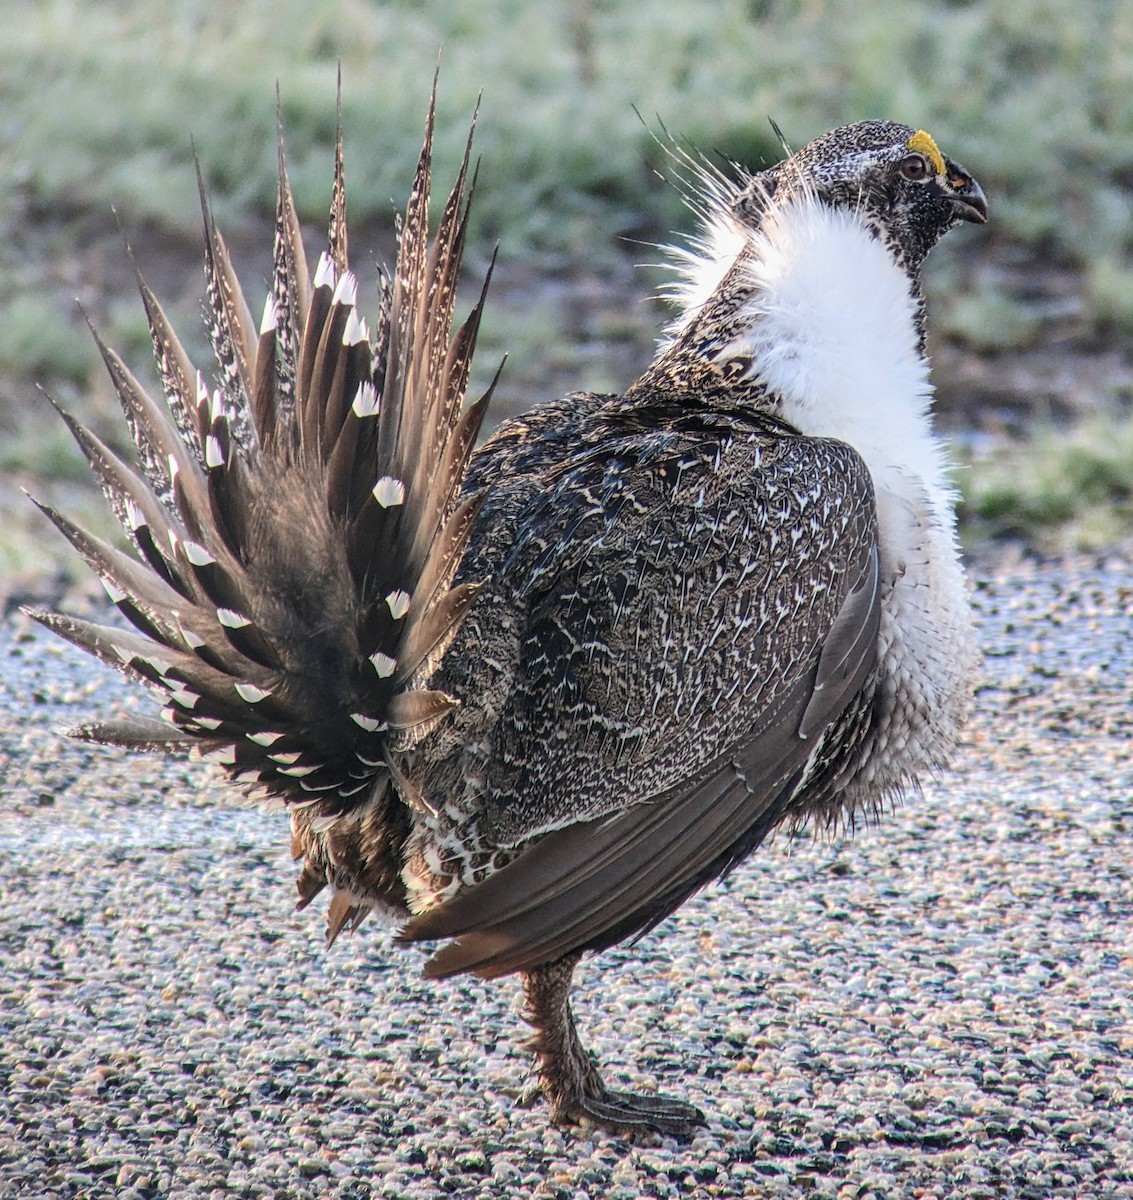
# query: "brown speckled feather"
529,698
593,884
679,807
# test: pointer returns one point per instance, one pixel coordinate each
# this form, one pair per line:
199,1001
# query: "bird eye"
915,167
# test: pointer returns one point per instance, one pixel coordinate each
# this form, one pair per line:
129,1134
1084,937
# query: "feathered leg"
569,1075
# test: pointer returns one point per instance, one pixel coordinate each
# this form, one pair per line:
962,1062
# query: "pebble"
940,1007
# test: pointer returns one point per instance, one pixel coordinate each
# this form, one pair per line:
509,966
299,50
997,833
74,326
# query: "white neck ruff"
828,321
831,328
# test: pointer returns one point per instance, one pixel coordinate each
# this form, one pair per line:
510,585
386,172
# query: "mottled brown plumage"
530,698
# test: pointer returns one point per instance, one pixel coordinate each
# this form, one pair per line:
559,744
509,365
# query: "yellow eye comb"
923,144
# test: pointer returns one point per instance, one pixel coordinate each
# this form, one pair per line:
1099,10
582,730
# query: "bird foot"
569,1077
629,1112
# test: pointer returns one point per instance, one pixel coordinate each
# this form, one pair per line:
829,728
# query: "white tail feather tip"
320,787
217,408
355,331
197,555
365,401
134,515
297,772
324,272
389,492
383,664
398,604
346,290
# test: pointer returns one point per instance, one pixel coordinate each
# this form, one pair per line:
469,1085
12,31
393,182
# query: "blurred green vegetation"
99,100
1059,492
100,96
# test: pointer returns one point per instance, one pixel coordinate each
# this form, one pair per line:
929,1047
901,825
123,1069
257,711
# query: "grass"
1059,491
99,98
30,343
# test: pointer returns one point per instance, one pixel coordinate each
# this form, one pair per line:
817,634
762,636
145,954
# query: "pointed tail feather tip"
236,511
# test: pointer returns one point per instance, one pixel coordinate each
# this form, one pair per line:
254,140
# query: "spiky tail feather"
299,525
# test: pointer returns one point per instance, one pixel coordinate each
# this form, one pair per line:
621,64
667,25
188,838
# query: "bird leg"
569,1075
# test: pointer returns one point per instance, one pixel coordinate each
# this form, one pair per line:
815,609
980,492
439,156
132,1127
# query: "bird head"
894,176
880,180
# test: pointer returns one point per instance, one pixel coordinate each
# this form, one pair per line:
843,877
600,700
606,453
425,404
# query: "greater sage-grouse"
530,697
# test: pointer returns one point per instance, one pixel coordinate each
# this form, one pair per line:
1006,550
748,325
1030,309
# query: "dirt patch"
586,321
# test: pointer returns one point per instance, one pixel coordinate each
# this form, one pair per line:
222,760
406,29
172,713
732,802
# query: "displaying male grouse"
531,697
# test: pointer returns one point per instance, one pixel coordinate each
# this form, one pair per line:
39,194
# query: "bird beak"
968,200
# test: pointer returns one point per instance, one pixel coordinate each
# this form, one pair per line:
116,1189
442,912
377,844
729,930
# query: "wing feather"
594,882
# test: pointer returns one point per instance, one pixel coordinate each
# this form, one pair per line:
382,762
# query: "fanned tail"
297,523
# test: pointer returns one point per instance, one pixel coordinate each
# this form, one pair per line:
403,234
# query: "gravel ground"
940,1007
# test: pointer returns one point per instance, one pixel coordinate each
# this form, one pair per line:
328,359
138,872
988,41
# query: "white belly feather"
831,328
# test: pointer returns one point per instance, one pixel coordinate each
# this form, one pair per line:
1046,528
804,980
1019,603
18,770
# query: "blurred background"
1031,317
